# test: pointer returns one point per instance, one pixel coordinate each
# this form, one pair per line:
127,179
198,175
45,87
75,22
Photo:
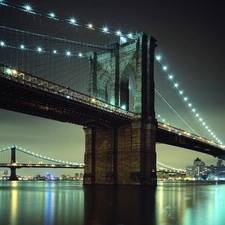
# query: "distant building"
191,171
198,162
6,172
220,163
200,171
76,176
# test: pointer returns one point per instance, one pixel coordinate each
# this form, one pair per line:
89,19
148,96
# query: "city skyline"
190,39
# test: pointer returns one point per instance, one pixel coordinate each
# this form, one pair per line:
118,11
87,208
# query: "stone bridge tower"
124,77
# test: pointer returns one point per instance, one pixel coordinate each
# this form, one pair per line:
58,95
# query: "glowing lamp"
52,15
28,7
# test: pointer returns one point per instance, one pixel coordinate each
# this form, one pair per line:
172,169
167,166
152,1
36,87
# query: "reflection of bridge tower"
123,76
13,168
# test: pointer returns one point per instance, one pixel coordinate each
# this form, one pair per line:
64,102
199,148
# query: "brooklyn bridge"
111,90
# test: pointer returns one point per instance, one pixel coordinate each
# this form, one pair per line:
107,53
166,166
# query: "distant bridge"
13,164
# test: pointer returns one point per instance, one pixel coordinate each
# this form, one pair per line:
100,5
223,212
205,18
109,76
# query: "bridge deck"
40,165
25,98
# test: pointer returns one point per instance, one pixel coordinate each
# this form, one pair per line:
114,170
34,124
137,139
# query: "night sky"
190,37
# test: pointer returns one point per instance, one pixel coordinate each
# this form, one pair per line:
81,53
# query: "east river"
71,203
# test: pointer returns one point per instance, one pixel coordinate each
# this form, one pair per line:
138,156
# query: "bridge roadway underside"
23,98
170,138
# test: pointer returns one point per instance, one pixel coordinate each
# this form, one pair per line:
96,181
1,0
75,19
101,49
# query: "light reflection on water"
62,203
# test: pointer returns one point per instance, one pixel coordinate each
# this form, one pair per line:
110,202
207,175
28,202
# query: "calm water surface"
170,203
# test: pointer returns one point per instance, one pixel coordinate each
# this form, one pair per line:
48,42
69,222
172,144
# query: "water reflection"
120,205
170,203
189,203
24,202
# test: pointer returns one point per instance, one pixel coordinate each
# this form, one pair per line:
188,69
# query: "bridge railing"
187,134
44,85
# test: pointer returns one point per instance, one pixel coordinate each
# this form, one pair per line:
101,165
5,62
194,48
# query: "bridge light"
14,71
185,98
158,57
90,26
54,51
2,43
165,68
68,53
72,21
118,33
189,104
22,46
8,71
130,35
170,77
193,110
105,29
52,15
176,84
80,54
123,107
39,49
27,8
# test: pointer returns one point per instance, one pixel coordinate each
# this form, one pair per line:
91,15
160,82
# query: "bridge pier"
13,174
121,156
13,160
